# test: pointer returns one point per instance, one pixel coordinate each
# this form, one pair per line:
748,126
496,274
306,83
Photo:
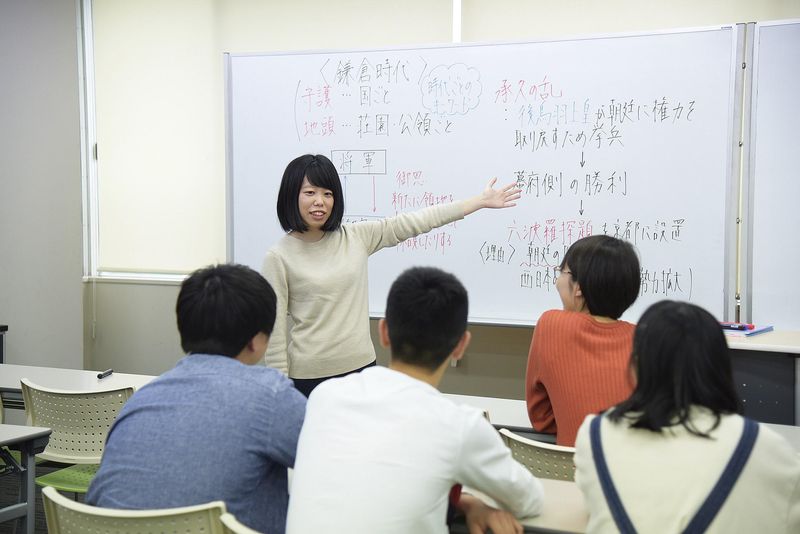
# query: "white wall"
511,20
40,183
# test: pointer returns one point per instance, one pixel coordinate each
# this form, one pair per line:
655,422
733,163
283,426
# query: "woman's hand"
503,197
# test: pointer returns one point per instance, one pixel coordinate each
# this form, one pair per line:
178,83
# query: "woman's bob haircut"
320,172
681,360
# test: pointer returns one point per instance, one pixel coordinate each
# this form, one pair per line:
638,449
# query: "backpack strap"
710,507
612,497
708,511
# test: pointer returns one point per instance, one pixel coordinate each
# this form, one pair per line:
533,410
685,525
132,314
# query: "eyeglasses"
559,271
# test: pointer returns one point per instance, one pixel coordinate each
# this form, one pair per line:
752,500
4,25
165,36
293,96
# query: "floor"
9,486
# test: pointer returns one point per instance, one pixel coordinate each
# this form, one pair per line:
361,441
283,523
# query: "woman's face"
568,290
316,205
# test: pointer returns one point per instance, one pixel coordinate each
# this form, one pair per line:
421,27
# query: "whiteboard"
775,180
627,135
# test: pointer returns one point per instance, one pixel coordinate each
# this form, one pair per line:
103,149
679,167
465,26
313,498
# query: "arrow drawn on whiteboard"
345,189
583,161
374,208
581,209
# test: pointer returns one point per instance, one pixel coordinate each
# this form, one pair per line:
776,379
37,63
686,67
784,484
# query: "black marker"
105,373
733,326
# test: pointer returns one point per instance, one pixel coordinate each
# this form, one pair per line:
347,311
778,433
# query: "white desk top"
77,379
513,413
502,412
775,341
10,434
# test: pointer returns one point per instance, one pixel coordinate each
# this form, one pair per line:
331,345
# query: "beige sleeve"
274,270
393,230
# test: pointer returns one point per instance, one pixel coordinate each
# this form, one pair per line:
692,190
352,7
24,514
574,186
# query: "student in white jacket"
677,456
380,450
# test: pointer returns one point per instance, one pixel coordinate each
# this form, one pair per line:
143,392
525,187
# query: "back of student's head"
221,307
607,270
680,358
321,172
426,314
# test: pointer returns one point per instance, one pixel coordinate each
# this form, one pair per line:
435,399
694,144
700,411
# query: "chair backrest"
544,460
231,525
80,420
65,516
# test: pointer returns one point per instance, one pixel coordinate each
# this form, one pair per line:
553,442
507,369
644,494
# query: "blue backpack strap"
612,497
708,511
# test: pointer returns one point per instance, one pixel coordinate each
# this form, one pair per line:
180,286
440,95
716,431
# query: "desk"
3,330
506,413
29,440
564,510
513,414
766,370
54,378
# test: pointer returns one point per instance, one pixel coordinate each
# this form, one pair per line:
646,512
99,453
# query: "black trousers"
307,385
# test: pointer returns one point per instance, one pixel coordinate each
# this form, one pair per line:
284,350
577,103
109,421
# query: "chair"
230,525
544,460
80,421
65,516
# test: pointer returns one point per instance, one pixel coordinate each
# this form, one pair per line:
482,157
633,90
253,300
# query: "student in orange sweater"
578,361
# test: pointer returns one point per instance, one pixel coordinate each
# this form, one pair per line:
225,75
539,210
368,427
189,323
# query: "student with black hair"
676,456
216,426
578,360
319,269
381,449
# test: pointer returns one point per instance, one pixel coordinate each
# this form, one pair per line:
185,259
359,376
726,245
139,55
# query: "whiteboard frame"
739,245
731,268
750,116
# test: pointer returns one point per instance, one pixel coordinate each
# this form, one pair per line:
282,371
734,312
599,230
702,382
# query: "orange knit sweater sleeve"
540,410
576,366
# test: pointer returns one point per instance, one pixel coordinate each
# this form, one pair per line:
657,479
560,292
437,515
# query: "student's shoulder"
451,411
350,386
257,381
265,375
776,447
557,318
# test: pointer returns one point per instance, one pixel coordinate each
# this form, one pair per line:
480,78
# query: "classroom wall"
134,326
40,183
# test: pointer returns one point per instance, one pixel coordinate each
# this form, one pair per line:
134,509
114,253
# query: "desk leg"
27,489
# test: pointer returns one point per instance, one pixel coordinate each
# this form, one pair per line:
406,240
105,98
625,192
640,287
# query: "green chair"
80,421
65,516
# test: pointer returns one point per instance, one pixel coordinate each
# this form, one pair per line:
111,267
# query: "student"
381,449
666,447
578,361
319,269
216,426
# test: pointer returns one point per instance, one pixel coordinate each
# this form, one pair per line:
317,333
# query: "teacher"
319,269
